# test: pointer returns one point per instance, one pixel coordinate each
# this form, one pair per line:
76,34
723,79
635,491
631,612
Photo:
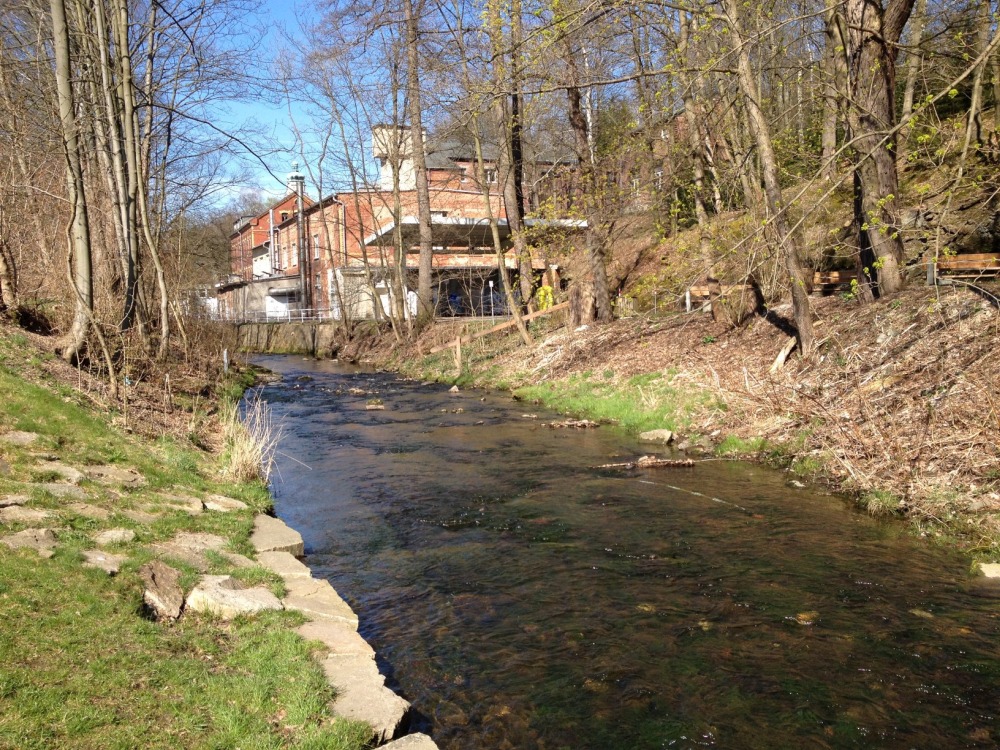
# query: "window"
315,247
658,179
491,177
284,216
635,185
319,284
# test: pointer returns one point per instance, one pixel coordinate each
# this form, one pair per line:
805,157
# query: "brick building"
349,253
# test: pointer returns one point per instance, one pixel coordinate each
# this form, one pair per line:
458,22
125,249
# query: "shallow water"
520,598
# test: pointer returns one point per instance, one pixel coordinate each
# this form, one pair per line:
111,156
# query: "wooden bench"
702,293
965,265
829,281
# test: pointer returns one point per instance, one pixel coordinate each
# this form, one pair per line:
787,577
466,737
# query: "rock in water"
657,436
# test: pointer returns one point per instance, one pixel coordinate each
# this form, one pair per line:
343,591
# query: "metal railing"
304,315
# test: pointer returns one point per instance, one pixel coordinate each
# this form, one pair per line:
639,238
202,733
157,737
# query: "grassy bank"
84,665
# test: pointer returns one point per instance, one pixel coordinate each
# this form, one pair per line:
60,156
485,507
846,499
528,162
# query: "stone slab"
162,593
318,600
143,517
89,511
8,500
417,741
18,514
223,504
118,475
106,561
227,598
190,548
990,570
284,564
363,696
113,536
657,436
17,437
43,541
63,490
341,639
272,535
185,503
68,473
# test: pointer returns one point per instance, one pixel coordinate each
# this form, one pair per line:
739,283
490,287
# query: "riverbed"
519,597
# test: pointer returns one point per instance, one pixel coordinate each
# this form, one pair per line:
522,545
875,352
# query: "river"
521,598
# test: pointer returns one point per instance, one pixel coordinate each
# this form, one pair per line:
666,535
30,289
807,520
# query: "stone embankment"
36,517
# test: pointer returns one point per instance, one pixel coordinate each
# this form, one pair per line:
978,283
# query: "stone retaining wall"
311,338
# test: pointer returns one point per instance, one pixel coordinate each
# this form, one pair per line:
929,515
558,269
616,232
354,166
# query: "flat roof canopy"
460,231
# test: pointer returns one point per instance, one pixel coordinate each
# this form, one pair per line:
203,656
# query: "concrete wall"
313,339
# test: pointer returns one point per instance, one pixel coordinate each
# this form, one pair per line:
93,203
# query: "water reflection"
522,599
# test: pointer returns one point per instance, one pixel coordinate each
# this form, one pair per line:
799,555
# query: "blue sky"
273,119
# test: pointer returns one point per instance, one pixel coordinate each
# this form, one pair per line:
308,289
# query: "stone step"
272,535
318,600
363,696
415,741
227,598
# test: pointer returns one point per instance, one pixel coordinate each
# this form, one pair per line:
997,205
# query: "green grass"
644,402
82,669
80,665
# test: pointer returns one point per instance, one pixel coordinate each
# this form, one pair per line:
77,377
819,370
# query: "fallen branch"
576,424
783,355
651,462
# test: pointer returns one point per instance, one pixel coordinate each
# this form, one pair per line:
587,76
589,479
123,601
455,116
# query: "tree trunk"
914,61
588,179
835,70
692,117
81,278
872,36
424,290
787,245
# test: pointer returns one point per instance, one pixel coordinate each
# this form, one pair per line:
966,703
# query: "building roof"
461,231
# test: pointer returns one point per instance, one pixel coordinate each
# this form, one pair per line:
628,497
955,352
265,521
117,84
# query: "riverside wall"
313,338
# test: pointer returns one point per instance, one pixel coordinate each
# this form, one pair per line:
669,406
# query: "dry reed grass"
251,440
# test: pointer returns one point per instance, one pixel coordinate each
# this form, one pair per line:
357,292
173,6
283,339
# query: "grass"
644,402
83,670
82,666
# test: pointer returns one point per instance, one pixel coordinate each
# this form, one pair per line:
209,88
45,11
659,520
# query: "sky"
273,119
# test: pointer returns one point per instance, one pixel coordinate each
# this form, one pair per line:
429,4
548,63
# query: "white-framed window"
658,179
491,176
315,247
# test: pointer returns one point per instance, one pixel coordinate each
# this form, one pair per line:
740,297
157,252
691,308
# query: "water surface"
521,598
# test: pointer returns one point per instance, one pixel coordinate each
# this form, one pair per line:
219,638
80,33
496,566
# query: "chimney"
296,180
